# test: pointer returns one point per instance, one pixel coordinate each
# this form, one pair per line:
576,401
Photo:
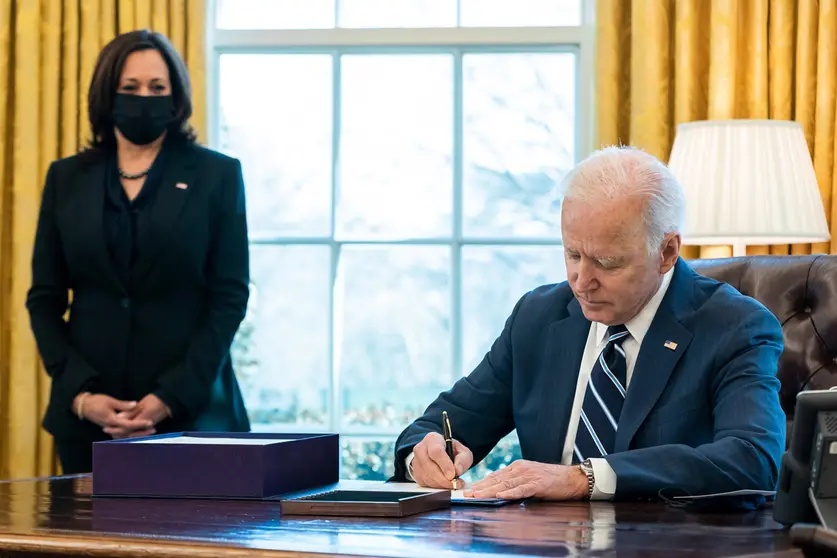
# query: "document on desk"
457,497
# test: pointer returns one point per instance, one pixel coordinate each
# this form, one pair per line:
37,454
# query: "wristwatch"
586,467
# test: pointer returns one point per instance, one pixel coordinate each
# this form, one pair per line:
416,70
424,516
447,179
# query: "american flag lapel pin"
671,345
181,185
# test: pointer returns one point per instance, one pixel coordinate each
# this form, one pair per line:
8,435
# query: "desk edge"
125,546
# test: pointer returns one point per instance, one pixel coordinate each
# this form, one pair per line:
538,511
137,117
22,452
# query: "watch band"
586,467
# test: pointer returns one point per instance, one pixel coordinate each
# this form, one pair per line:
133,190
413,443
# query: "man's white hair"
617,172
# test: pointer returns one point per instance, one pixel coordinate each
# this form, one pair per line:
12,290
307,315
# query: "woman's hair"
105,83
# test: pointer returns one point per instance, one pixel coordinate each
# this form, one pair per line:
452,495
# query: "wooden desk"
57,517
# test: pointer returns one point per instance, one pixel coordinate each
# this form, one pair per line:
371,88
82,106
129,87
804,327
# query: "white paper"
456,496
212,441
744,492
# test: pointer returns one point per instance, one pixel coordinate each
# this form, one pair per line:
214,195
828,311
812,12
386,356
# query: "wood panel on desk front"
58,517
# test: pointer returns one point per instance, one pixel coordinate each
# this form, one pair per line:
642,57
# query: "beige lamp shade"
747,182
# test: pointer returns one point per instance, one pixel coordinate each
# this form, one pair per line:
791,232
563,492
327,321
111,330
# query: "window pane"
520,13
395,148
367,458
504,453
393,326
281,352
493,280
373,459
276,117
274,14
518,141
397,13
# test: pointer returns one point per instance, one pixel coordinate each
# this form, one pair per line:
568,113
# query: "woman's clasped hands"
121,419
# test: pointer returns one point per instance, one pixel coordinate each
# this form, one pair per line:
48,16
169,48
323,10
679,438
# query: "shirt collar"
639,324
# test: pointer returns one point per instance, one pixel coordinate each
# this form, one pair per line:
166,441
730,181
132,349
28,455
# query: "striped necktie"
603,400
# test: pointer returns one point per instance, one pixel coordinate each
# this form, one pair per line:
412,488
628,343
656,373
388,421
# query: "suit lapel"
565,347
176,183
90,225
662,347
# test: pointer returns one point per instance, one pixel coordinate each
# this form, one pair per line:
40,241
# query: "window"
401,169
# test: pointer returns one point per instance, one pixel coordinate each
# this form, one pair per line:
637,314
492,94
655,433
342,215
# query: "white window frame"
577,39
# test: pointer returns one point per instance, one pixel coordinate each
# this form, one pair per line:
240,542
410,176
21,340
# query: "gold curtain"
48,49
663,62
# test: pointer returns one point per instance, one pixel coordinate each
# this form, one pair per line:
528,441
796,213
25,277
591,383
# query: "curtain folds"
48,49
664,62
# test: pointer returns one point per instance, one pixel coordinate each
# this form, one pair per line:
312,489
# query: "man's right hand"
431,466
112,414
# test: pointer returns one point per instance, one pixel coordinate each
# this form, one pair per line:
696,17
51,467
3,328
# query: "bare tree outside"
392,330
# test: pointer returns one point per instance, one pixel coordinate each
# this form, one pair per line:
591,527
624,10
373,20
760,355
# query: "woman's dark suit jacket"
166,328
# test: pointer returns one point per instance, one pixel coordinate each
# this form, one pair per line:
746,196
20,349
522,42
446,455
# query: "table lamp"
747,182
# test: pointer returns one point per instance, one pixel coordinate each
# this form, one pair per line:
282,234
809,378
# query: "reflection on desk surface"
59,514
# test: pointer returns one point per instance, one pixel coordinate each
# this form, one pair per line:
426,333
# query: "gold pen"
449,445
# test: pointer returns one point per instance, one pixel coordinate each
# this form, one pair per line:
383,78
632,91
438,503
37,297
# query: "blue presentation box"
215,465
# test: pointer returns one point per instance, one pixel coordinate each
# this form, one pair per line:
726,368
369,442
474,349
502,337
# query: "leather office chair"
801,291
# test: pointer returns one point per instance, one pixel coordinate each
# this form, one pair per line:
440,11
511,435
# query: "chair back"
801,291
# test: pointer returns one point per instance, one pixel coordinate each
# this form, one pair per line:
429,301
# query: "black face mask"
142,119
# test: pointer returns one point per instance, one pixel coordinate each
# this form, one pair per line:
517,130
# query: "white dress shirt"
605,485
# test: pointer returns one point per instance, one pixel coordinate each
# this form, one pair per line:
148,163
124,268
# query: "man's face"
609,267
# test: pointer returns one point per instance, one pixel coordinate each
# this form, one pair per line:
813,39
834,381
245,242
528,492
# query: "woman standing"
148,230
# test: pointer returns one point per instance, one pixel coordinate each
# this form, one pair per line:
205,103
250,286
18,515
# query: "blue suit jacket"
703,418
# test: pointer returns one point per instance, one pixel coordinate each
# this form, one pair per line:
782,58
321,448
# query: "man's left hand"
530,479
149,408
